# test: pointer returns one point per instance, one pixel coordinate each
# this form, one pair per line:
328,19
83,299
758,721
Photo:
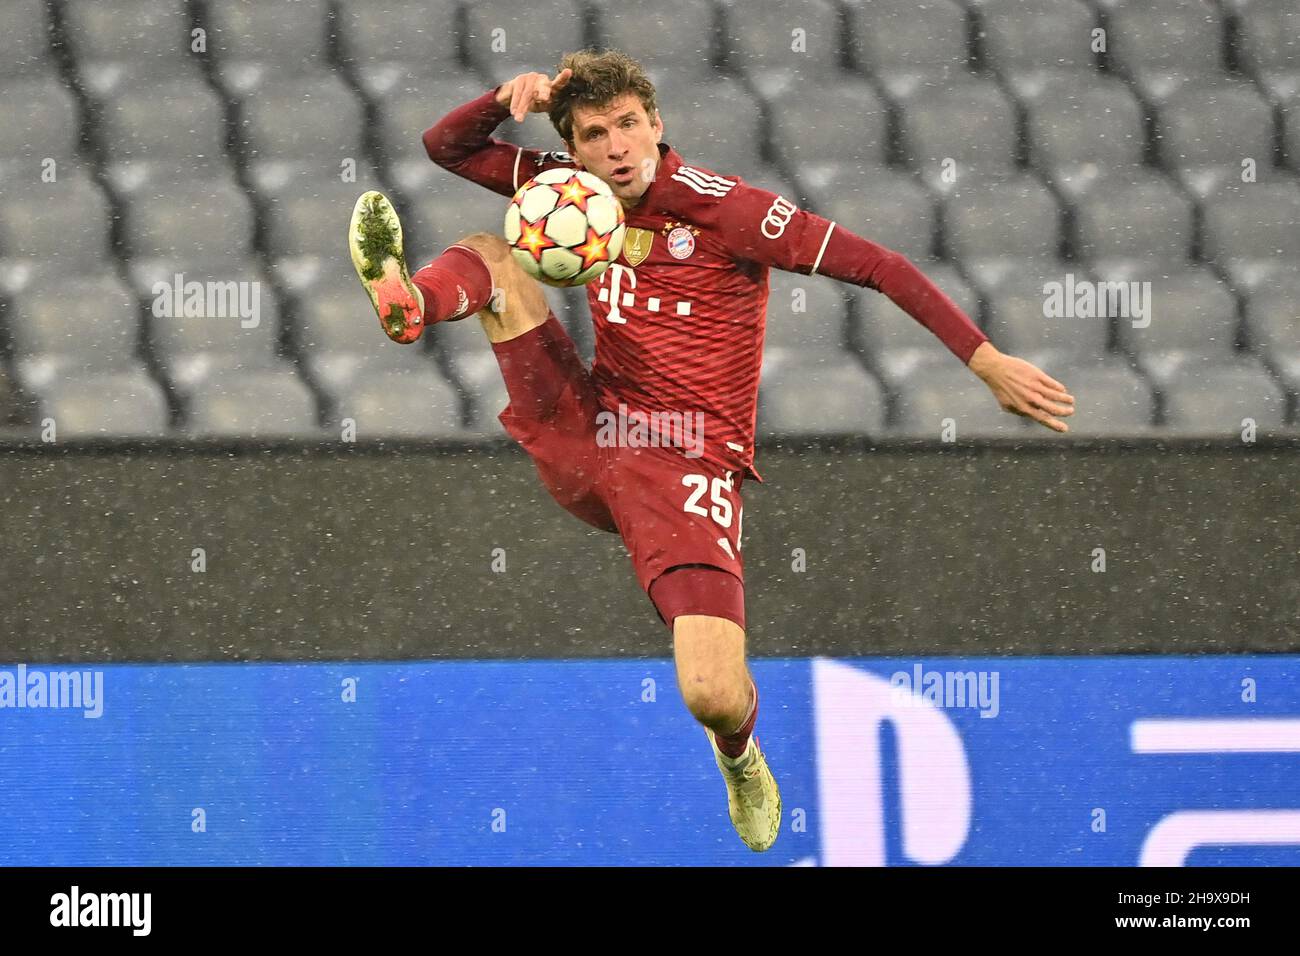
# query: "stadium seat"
894,345
253,43
106,405
253,404
1216,402
672,38
778,46
889,208
948,133
1249,230
718,126
129,41
1002,227
49,230
1291,132
1161,44
504,38
301,132
71,326
1268,45
402,121
1018,322
1203,146
153,136
806,320
828,396
25,40
810,142
908,47
1136,222
937,401
39,120
1193,323
203,228
1029,42
1078,132
400,46
1273,330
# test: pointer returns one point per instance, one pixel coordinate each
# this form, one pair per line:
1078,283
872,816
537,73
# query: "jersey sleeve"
761,226
462,142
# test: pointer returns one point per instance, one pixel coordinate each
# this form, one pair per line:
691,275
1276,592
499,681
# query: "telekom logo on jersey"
619,298
934,779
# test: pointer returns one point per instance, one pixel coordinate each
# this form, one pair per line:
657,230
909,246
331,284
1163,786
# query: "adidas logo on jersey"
704,183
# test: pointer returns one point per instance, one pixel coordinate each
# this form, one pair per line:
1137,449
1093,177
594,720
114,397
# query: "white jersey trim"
703,183
822,250
515,176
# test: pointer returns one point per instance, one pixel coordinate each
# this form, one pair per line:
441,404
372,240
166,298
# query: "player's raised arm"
462,141
764,227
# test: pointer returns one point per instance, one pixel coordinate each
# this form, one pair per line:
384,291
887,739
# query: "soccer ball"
564,227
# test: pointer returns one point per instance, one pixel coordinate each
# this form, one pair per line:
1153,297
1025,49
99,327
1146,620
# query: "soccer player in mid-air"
679,321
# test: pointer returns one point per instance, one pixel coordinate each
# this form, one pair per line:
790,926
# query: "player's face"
619,144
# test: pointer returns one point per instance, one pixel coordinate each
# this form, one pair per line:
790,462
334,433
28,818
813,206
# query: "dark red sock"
733,745
456,284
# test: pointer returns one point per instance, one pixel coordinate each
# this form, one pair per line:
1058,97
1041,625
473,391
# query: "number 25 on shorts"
721,509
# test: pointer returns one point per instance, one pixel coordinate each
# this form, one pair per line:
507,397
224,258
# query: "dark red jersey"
680,316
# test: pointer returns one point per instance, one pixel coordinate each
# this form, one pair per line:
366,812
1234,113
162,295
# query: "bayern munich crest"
680,243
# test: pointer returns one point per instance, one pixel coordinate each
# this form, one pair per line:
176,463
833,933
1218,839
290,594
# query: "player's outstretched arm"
462,142
1022,388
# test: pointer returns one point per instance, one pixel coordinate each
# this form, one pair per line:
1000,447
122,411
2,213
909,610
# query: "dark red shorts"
671,510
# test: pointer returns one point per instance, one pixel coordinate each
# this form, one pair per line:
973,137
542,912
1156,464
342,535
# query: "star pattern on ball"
532,238
594,249
573,192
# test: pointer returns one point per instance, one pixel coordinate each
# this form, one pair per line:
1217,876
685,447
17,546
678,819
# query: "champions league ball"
564,227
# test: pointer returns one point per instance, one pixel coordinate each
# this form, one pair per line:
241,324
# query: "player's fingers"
562,79
523,99
1047,420
1053,408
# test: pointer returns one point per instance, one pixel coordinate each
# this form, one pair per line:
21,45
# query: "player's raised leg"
721,694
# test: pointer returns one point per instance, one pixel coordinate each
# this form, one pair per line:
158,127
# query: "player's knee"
715,701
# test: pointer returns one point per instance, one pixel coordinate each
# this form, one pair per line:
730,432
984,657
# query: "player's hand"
531,92
1023,389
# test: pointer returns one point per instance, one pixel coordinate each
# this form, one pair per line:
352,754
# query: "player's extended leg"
720,693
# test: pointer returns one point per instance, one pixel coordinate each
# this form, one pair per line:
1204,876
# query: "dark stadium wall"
280,553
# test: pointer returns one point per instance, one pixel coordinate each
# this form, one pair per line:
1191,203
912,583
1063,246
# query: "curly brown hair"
599,78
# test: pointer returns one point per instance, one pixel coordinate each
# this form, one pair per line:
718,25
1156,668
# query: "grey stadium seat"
671,38
253,404
107,405
504,38
403,119
1204,133
1268,41
1026,42
1273,328
809,140
49,230
1110,400
973,125
1002,227
1193,323
38,119
895,345
347,353
253,43
1078,132
301,130
1161,44
192,350
306,231
1018,322
172,228
127,41
777,45
718,126
908,46
937,397
396,47
25,39
1249,230
806,319
889,208
162,135
75,351
1140,221
1215,401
